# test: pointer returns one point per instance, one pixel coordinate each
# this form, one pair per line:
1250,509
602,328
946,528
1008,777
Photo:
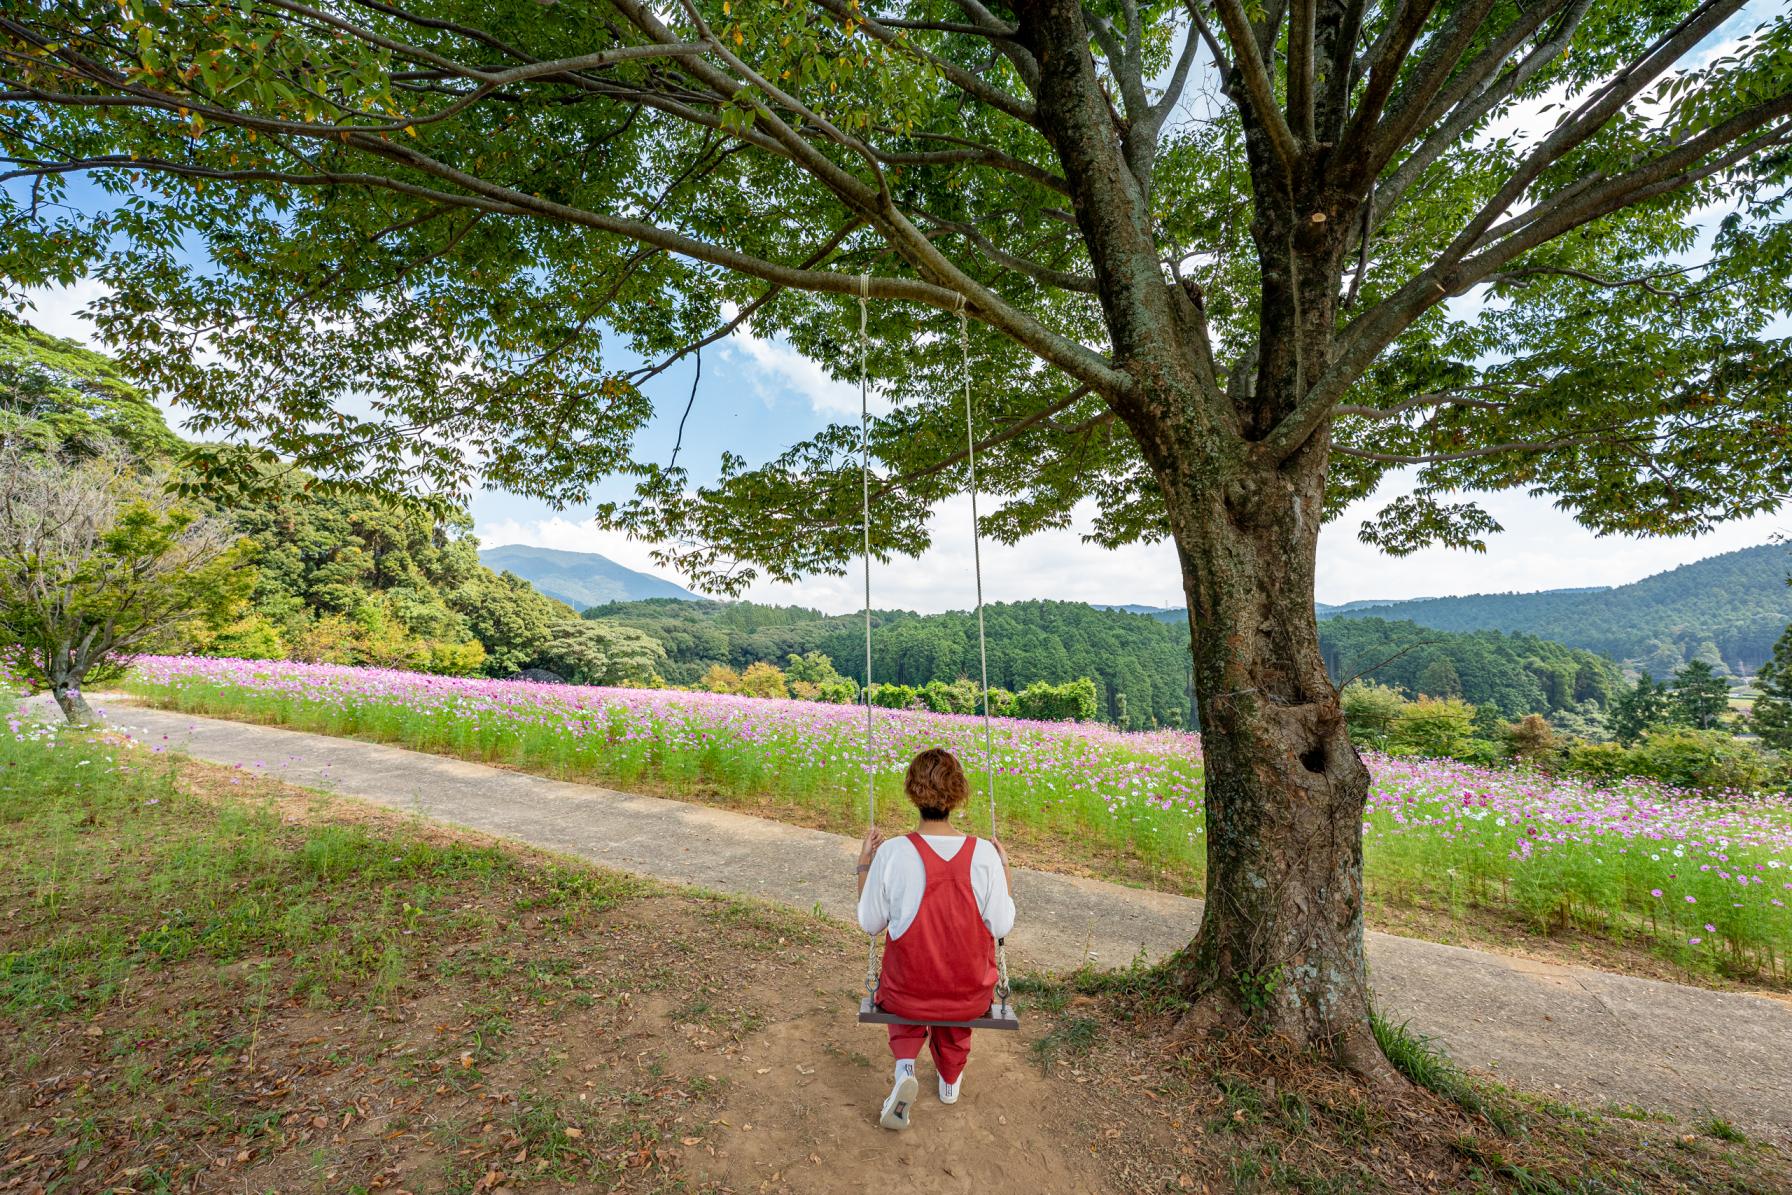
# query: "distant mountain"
580,579
1725,609
1161,613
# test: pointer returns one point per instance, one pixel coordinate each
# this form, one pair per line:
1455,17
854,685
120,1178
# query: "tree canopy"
456,206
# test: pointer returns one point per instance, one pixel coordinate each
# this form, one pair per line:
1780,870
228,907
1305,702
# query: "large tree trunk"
67,692
1282,940
1281,944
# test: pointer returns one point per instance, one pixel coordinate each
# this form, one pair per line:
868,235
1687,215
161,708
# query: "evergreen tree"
1440,679
1772,715
1700,695
1638,708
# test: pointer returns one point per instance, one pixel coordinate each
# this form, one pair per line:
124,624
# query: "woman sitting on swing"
944,899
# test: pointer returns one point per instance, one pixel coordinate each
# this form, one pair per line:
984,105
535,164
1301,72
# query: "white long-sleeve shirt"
897,879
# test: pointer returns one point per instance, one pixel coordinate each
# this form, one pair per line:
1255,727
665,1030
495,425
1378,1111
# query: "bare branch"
1465,454
1220,59
1410,106
971,152
1647,282
1424,402
1160,111
1466,108
1387,56
1062,279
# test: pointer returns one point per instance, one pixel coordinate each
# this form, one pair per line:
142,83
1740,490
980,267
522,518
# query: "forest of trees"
1726,610
338,577
1139,663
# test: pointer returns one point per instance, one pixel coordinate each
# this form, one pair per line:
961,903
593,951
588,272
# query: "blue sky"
757,397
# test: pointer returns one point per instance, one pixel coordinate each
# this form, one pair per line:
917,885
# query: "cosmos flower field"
1707,880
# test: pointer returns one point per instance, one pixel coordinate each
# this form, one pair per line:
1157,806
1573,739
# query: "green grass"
135,879
1492,851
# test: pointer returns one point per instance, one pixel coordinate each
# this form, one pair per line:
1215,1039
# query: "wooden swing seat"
999,1016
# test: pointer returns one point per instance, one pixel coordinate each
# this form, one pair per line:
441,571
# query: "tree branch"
1301,69
1591,198
1465,107
1387,56
960,78
1407,112
1062,279
1160,111
1466,454
974,153
1378,328
1248,69
1422,402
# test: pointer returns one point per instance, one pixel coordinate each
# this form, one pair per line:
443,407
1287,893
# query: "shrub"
1433,727
251,638
1710,760
1707,760
1370,711
456,659
1532,740
1073,701
841,690
961,696
763,680
895,697
720,679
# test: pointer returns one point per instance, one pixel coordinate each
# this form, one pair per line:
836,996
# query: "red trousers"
950,1046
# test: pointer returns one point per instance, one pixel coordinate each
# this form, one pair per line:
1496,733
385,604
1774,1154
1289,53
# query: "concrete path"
1543,1027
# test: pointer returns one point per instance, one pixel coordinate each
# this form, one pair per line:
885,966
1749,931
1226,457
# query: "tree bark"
1281,942
67,692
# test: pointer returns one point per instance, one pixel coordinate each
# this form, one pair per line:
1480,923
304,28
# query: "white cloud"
770,365
1541,548
568,535
1053,564
58,310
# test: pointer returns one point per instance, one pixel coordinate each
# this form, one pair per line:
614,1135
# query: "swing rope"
1003,990
871,970
989,753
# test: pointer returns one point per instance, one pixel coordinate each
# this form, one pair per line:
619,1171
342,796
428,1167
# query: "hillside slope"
1139,662
1726,609
341,577
580,579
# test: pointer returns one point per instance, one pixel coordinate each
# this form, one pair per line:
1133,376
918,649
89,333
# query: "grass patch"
1069,1038
206,984
1420,1060
1080,798
1260,1117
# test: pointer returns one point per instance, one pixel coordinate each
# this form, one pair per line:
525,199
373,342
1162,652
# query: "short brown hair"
936,783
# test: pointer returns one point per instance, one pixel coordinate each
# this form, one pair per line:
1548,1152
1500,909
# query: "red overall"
943,967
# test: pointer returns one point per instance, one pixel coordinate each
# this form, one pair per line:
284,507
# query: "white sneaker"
949,1091
902,1098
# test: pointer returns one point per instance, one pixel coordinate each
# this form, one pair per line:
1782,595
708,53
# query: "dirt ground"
477,1017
